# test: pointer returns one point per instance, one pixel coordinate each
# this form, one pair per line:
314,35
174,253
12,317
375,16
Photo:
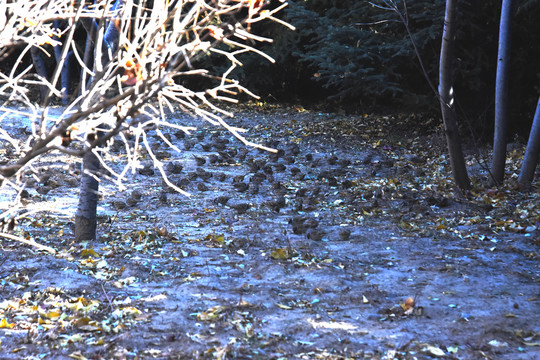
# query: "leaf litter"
350,242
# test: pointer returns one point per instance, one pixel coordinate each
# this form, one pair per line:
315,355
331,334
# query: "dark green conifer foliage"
359,51
351,52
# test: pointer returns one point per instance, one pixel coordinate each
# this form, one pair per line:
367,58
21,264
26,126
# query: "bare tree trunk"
530,160
446,98
88,62
41,70
64,74
86,215
501,94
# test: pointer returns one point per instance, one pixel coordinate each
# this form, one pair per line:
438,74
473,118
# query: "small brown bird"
213,158
188,145
162,197
298,226
204,175
241,187
301,192
267,169
219,176
316,235
241,208
222,200
344,234
174,168
277,204
238,179
180,134
200,160
311,223
119,204
332,160
183,182
294,170
257,178
279,167
147,170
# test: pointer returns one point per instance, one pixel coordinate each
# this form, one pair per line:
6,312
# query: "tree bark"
501,94
446,98
86,215
41,70
64,74
532,152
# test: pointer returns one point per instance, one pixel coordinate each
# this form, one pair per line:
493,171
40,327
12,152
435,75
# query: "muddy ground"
350,242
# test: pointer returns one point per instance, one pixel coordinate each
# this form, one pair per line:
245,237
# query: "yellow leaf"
88,252
75,306
280,254
284,307
408,305
5,325
213,313
130,311
219,238
87,324
77,356
53,314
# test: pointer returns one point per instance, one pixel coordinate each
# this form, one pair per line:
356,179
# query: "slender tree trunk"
86,215
64,74
446,97
41,70
501,94
88,61
532,153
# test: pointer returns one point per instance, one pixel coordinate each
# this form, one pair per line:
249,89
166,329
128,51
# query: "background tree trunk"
86,215
64,75
446,98
501,94
41,70
530,159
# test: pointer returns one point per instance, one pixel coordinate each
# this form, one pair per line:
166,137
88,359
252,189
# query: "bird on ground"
241,208
200,160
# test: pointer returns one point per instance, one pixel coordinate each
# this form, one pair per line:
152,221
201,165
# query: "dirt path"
312,253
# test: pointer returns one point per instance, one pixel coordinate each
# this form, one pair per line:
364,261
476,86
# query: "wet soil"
349,242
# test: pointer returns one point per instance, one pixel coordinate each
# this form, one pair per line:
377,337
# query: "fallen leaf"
284,307
281,254
433,350
5,325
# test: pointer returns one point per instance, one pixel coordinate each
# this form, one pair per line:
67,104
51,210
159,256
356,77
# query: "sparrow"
241,208
200,160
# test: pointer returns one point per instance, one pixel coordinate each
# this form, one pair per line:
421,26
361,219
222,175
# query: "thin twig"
28,242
